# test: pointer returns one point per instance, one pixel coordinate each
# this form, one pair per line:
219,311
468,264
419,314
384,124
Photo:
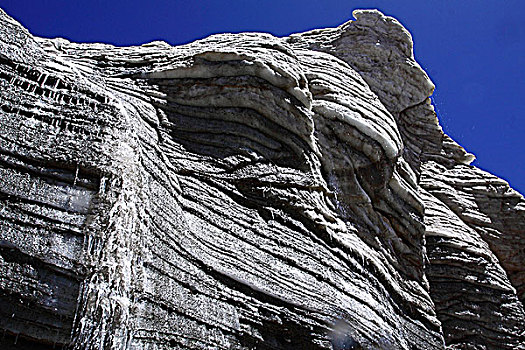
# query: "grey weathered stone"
246,191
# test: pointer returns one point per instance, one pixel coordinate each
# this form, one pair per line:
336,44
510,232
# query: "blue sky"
472,50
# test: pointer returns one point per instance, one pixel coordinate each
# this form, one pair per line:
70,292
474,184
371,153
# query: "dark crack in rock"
246,192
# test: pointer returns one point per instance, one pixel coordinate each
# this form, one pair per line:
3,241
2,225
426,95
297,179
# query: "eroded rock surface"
246,192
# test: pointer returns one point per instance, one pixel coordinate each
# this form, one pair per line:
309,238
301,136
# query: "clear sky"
472,49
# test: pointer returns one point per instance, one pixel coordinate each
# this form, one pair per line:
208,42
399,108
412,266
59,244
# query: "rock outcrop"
246,192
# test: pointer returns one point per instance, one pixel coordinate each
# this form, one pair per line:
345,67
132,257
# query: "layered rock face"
246,192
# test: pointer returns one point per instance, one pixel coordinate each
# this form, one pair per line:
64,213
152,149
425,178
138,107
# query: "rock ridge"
246,192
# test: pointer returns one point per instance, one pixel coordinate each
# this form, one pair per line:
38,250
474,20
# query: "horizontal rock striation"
246,192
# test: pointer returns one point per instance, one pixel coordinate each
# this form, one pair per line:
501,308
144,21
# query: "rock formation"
246,192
